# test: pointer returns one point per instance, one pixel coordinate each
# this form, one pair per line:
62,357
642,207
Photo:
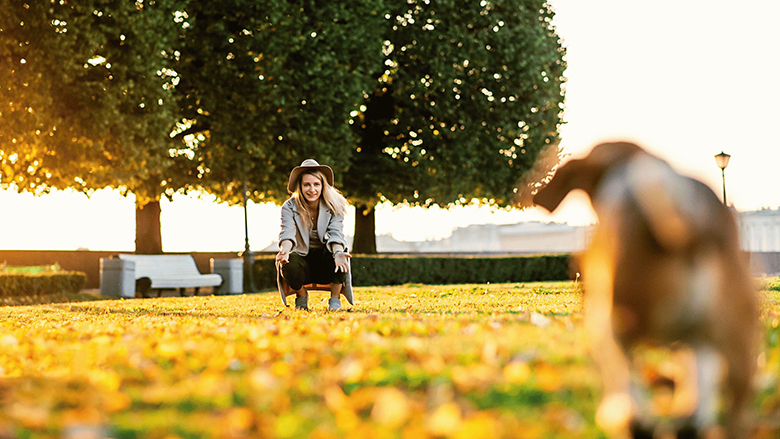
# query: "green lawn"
414,361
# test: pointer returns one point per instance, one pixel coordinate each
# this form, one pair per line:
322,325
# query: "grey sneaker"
334,304
302,303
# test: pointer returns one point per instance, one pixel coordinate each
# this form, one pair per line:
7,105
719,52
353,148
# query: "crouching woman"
312,247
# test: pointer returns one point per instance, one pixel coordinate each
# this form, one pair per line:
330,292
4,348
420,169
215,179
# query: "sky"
686,79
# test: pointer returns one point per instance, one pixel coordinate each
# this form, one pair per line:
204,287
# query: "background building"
759,235
760,230
525,237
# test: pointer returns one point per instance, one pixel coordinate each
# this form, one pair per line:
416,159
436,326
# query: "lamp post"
249,282
722,160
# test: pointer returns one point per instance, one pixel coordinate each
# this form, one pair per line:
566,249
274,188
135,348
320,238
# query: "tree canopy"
266,84
467,97
85,95
87,100
448,101
418,102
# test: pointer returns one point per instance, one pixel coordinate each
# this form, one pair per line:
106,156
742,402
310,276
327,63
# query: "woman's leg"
324,272
335,290
296,273
337,283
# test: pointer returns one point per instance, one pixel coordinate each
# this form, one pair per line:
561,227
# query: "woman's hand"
342,260
283,257
285,247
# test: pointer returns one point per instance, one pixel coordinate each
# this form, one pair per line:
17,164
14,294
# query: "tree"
459,102
467,97
267,84
86,98
414,102
243,89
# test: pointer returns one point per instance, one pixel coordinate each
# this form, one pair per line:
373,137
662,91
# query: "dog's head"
584,174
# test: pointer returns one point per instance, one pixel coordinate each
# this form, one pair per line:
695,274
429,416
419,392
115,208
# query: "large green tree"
413,102
161,96
459,101
467,97
85,99
265,84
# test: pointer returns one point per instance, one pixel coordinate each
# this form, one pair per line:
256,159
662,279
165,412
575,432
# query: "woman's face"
311,187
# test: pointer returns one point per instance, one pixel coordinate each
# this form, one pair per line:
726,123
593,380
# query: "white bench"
162,272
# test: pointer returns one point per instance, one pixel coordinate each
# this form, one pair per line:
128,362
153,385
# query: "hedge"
28,284
437,270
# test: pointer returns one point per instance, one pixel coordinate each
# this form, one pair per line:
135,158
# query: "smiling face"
311,188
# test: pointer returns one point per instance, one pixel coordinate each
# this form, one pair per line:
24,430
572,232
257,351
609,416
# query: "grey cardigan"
330,228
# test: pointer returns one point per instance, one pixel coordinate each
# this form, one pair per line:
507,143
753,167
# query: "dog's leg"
741,363
708,376
617,409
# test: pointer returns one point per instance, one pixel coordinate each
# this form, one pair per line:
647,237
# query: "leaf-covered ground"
416,361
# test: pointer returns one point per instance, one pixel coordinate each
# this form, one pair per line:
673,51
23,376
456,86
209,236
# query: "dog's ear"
584,174
571,175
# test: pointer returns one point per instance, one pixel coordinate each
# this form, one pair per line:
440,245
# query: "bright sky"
686,79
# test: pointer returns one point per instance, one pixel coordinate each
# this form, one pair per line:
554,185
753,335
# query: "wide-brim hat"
308,165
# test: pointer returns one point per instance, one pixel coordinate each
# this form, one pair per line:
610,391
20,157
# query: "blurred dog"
663,268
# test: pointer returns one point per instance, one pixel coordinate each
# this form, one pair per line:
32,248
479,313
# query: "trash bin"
232,272
117,277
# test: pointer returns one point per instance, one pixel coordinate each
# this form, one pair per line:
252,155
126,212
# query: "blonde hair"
330,195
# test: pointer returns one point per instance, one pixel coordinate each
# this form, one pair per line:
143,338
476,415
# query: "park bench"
164,272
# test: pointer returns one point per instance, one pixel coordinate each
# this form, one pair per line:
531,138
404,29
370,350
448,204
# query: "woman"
312,247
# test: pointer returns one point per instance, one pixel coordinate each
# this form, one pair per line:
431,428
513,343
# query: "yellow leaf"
479,426
263,380
346,420
350,369
362,398
29,416
433,364
391,407
238,419
517,372
445,420
105,379
475,376
281,369
168,350
414,347
549,377
117,401
415,431
335,399
287,426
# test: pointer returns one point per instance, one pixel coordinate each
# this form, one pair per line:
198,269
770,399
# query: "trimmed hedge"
28,284
437,270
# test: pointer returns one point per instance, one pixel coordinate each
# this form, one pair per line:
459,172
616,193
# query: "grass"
414,361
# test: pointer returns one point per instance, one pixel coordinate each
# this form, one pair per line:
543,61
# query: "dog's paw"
640,431
688,431
615,413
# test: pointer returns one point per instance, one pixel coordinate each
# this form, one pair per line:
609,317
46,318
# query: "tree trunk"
365,230
148,238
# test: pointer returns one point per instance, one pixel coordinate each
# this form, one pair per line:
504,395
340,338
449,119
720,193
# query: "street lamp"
722,160
249,256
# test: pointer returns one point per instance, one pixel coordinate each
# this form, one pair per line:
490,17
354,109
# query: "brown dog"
664,268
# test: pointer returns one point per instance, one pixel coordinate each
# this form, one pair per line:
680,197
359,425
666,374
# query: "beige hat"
308,164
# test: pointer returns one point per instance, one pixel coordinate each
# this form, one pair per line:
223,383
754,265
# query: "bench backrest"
163,266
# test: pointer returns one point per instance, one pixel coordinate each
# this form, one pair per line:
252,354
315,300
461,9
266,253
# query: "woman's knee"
339,277
294,272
